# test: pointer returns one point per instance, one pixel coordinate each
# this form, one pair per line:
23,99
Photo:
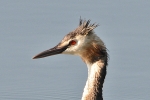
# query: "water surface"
29,27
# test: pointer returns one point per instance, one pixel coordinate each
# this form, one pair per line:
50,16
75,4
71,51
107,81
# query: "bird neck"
94,84
95,56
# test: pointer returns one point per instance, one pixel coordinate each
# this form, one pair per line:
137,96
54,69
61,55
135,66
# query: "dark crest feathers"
85,27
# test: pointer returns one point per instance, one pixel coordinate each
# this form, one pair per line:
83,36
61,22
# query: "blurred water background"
28,27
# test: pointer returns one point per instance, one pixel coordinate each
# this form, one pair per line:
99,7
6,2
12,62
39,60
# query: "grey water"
28,27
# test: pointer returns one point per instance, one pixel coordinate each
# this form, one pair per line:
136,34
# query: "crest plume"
85,27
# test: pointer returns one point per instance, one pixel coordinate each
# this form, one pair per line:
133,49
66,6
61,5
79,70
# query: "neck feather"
96,59
94,84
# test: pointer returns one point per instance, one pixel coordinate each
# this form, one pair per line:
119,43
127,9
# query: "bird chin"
68,53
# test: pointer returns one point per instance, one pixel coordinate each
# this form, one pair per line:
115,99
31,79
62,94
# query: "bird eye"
72,42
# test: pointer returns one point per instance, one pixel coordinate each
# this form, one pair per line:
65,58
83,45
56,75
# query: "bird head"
76,42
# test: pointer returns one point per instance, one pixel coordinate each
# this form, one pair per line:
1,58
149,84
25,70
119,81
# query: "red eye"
73,42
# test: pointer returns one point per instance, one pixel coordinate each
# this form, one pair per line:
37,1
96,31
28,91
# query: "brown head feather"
83,29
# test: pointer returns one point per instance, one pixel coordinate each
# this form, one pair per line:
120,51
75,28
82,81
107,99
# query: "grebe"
86,44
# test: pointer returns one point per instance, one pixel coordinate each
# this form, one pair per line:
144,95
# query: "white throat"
92,84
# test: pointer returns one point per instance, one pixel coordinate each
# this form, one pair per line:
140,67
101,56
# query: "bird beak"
50,52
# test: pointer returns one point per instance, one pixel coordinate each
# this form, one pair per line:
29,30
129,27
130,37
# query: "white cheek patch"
82,42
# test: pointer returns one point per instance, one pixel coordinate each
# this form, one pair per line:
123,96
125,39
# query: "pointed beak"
50,52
